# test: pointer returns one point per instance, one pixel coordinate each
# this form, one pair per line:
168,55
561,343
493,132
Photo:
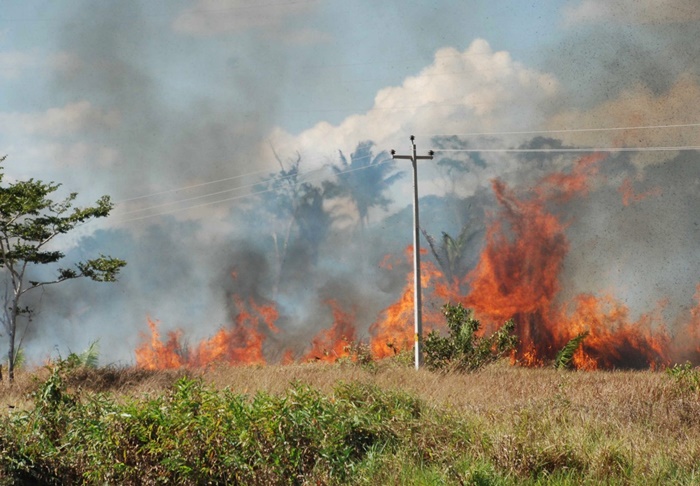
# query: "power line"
565,130
576,150
171,203
242,196
521,132
483,150
193,186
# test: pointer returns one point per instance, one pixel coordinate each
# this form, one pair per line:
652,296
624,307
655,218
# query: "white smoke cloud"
474,90
14,63
214,17
71,119
632,11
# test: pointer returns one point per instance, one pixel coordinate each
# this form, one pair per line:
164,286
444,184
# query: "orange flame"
153,354
518,277
394,331
242,344
629,196
334,343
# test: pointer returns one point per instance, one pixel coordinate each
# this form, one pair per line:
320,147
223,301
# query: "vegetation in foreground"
348,424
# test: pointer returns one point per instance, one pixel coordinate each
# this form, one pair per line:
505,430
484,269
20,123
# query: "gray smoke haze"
209,137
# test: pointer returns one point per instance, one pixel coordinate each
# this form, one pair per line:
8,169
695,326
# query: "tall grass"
349,424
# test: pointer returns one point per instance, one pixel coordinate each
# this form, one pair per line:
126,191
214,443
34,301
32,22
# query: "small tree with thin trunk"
29,222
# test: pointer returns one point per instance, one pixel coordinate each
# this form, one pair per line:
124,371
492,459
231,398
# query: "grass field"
381,423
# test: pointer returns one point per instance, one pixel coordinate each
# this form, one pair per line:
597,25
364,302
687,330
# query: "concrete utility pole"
417,304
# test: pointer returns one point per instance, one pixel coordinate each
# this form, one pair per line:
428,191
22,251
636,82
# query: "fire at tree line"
515,279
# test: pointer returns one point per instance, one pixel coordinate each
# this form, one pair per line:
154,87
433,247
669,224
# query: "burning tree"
451,253
29,222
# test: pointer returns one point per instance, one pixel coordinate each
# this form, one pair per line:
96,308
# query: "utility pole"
417,304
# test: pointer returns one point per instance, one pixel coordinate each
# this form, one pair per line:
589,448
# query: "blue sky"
144,98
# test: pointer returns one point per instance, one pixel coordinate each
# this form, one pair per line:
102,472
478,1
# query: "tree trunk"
11,355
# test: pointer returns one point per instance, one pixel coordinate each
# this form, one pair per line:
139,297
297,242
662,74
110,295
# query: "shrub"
463,349
686,376
194,435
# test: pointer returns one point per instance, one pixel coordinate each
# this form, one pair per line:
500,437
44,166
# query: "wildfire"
241,344
394,330
153,354
629,196
336,342
517,276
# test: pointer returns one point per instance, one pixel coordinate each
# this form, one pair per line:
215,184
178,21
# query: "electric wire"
193,186
262,181
520,132
194,198
562,130
481,150
575,150
243,195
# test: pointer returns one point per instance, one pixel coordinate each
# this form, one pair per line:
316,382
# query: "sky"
169,106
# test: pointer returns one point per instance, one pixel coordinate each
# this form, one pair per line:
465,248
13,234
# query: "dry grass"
635,427
624,424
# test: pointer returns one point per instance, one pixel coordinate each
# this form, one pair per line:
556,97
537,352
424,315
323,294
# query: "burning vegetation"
518,275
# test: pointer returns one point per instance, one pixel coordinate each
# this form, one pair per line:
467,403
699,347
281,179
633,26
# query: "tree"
288,203
29,222
365,179
451,253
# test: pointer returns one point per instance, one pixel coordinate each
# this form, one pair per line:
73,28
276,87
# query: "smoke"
642,252
131,122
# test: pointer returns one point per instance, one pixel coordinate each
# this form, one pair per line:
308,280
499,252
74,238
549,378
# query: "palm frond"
566,354
89,358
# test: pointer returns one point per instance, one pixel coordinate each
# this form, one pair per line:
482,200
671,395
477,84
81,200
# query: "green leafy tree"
29,222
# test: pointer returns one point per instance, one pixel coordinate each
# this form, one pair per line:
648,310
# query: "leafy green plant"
686,376
30,221
464,349
565,356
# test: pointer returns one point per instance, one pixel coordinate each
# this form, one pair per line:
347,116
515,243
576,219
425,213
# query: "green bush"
463,349
194,435
686,377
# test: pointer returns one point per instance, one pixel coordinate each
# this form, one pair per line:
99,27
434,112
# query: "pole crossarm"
417,301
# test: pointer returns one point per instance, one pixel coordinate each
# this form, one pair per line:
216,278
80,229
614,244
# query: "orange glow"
335,342
241,344
615,340
153,354
518,277
394,331
626,190
687,342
